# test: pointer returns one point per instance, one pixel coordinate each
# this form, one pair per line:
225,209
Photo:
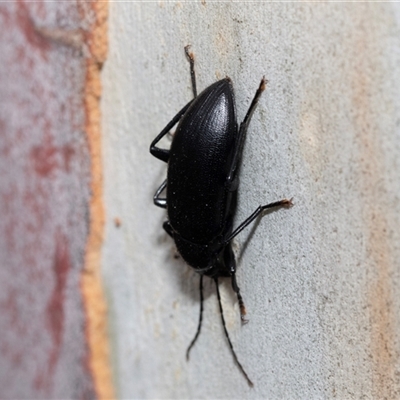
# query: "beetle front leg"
163,154
190,57
243,130
160,202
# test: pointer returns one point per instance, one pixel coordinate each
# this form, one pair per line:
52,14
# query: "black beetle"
202,183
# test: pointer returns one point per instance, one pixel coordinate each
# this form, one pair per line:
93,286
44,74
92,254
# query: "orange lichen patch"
96,325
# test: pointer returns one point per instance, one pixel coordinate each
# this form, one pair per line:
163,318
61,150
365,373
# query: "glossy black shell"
200,202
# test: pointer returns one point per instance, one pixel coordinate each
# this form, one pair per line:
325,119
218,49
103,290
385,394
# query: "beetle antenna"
200,320
227,337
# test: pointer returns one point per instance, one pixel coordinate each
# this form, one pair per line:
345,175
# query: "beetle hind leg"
230,264
242,307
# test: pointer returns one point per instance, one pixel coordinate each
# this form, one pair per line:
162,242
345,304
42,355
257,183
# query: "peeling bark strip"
96,324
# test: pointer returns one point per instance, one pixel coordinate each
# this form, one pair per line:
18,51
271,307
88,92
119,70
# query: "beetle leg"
157,200
168,229
230,263
282,203
227,336
253,104
163,154
242,307
243,130
234,183
200,320
190,57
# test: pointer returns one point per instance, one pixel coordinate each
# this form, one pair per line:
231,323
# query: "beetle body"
202,183
201,202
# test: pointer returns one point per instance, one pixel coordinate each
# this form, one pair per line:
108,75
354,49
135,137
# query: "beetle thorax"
201,257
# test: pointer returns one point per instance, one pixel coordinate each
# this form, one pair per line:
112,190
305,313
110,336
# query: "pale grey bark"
320,281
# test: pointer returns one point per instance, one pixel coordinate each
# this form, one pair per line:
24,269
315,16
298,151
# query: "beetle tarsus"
243,319
189,54
242,309
289,203
286,203
263,84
